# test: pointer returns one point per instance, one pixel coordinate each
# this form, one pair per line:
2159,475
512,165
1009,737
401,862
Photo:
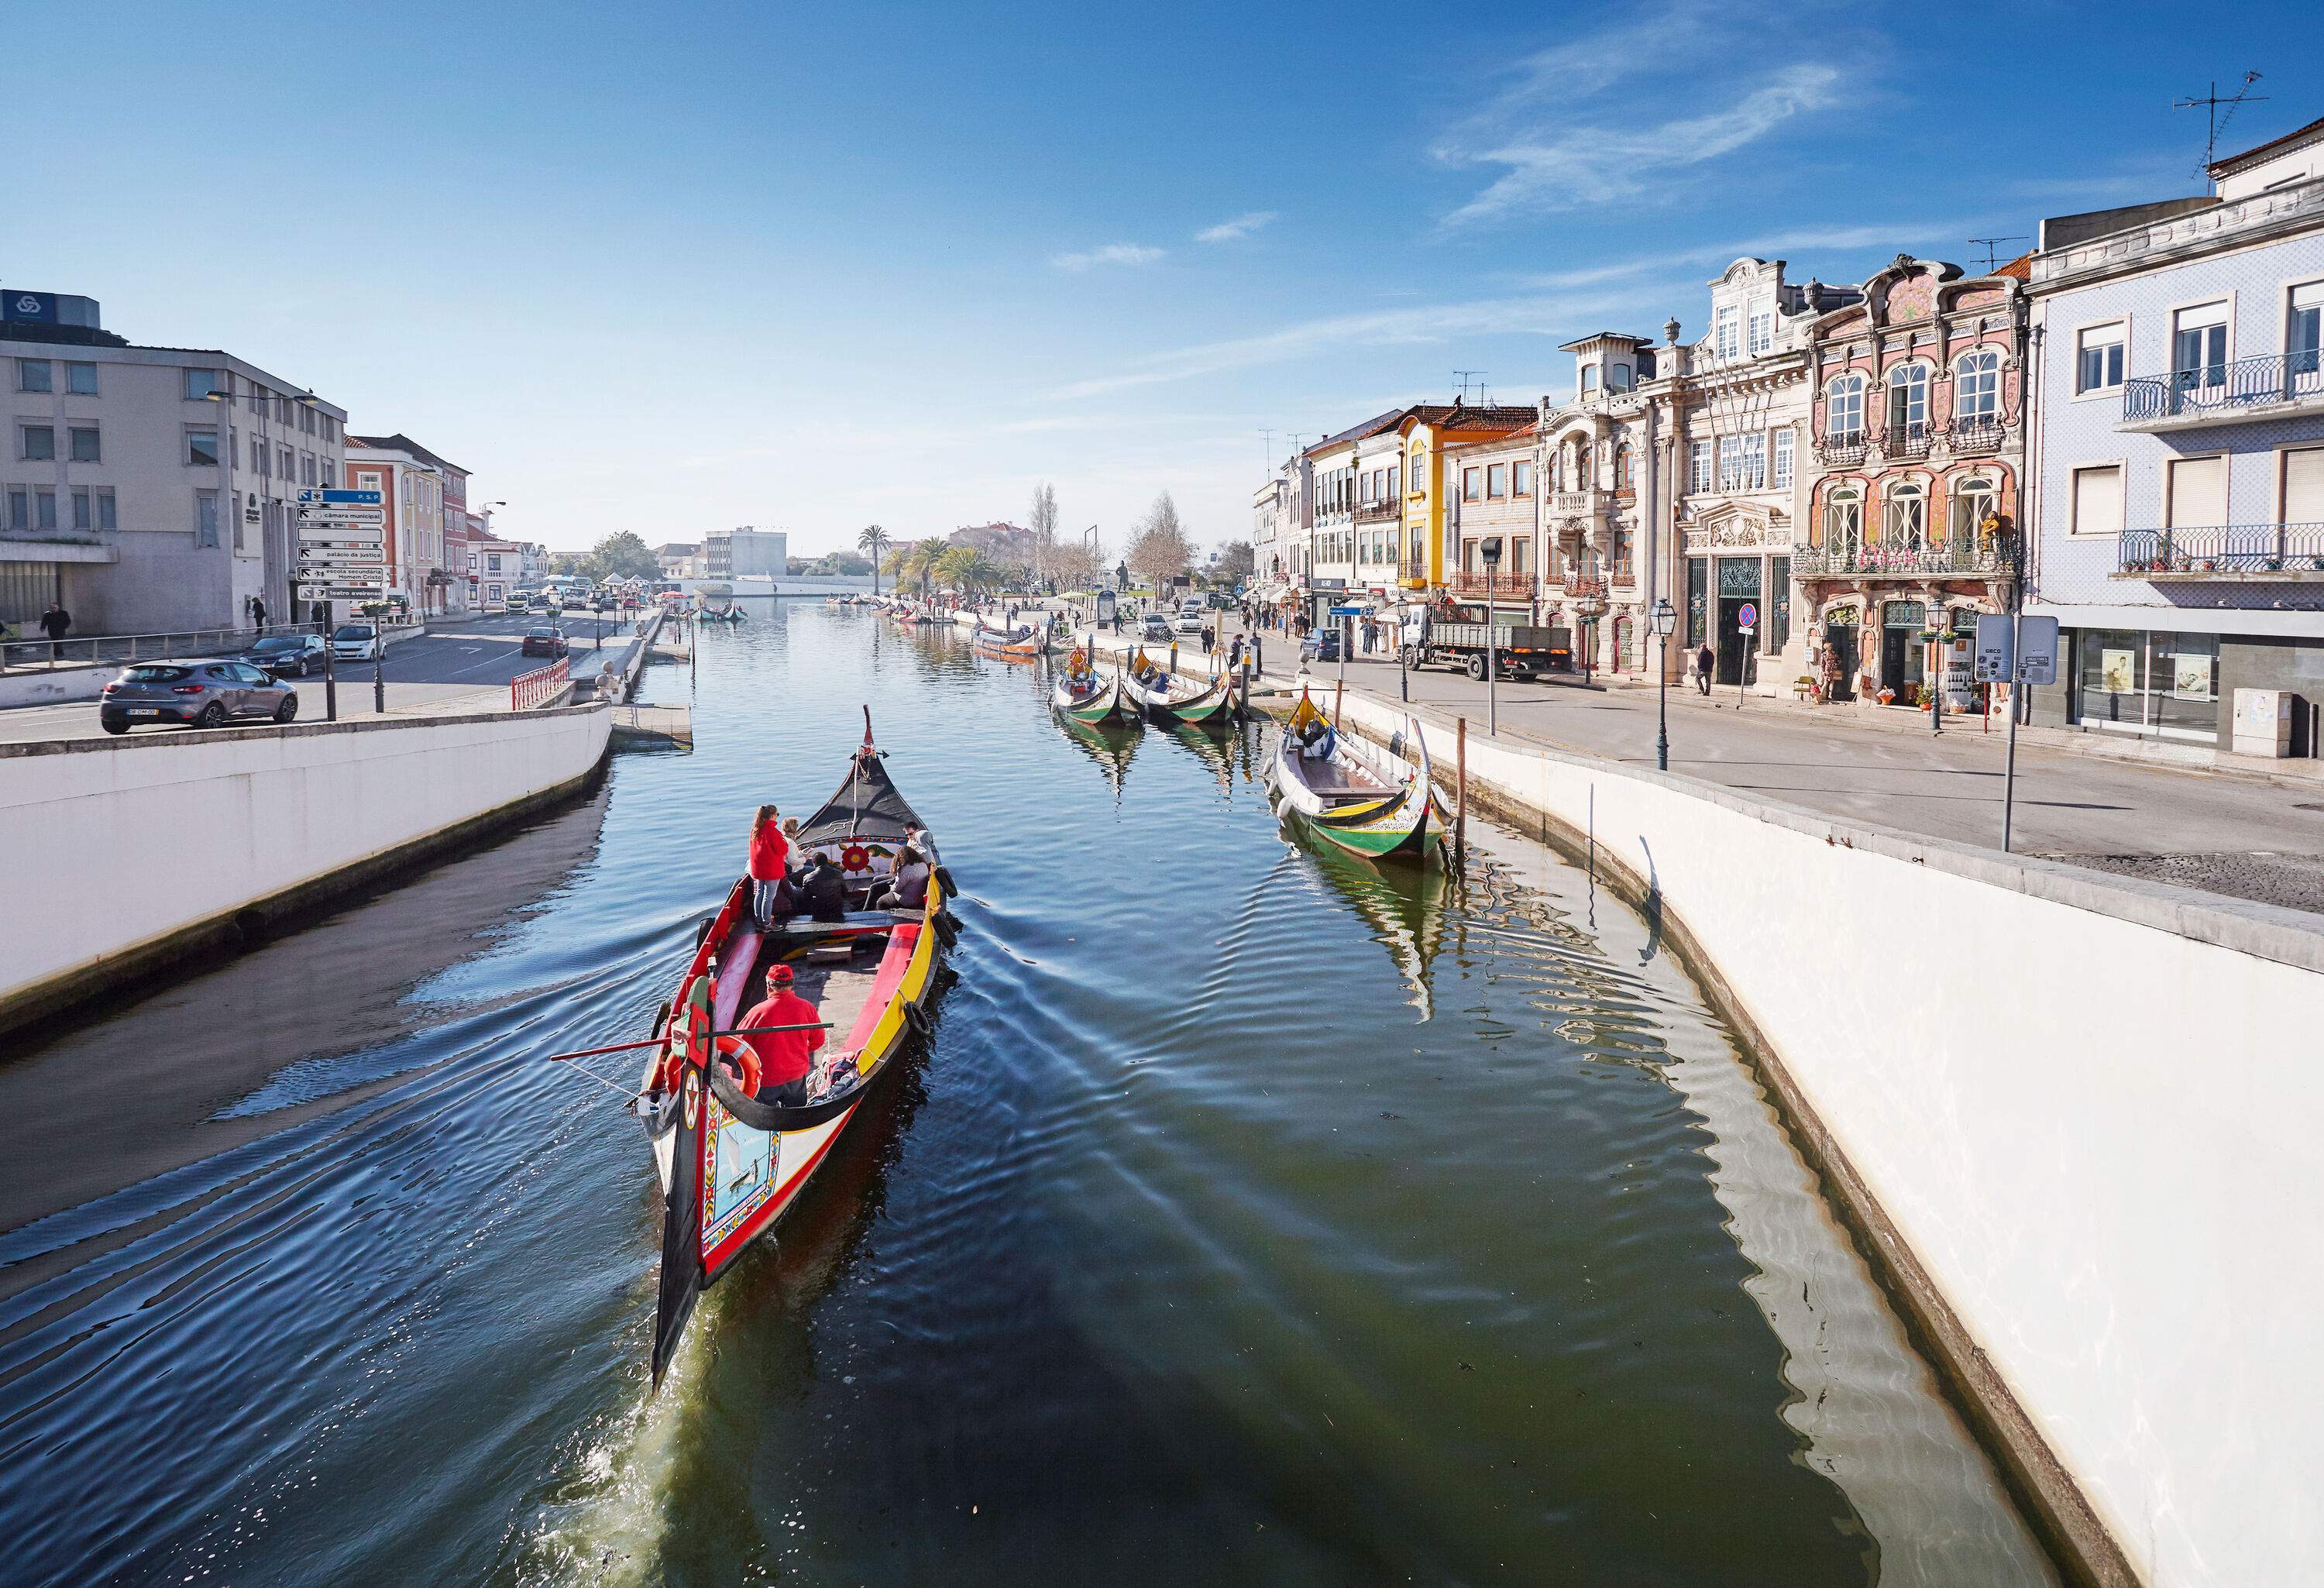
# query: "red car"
545,641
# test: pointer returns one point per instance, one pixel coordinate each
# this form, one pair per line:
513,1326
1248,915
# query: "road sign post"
1747,624
2023,651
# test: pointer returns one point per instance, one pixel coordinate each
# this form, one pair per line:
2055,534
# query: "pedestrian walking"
258,612
1209,637
53,624
1705,661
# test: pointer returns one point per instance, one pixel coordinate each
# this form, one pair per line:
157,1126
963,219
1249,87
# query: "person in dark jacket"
53,624
824,894
1705,660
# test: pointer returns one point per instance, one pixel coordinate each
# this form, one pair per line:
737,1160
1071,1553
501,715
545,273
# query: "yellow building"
1427,429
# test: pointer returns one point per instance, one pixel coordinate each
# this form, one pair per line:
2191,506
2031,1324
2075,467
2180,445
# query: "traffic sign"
1747,617
349,498
342,515
2037,665
341,593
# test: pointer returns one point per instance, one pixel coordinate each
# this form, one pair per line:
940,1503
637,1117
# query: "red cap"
779,975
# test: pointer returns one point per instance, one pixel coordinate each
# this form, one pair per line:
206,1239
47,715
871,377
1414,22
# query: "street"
2263,840
461,663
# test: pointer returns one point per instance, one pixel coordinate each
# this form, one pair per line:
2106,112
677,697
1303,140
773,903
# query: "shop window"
2149,682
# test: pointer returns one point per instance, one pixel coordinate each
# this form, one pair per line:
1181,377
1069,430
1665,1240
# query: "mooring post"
1460,787
1338,689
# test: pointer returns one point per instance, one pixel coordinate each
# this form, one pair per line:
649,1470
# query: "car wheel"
1477,667
114,725
212,715
289,709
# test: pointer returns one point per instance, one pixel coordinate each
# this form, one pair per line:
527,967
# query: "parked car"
547,640
357,642
199,694
1191,621
286,655
1323,645
1154,626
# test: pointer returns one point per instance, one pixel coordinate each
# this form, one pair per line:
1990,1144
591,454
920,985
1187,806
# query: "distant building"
677,558
419,487
497,567
131,493
2179,462
746,553
1004,543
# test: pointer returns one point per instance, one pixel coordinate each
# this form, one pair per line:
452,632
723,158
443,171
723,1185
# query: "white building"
497,569
414,481
747,553
147,489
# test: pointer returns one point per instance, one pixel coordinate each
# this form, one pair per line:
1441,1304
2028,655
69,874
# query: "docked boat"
1163,692
1018,644
1088,695
1369,800
732,1164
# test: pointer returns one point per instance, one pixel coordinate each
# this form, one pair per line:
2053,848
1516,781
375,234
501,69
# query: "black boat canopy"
866,806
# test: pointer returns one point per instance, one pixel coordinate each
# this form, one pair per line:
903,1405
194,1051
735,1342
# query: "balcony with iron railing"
2266,553
1468,583
1975,435
1913,558
2226,394
1842,449
1589,583
1906,440
1379,512
1569,503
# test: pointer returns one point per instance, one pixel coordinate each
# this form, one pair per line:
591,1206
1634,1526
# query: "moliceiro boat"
1366,800
1087,695
732,1164
1018,644
1164,693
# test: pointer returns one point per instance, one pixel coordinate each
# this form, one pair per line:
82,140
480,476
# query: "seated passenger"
784,1057
824,894
909,888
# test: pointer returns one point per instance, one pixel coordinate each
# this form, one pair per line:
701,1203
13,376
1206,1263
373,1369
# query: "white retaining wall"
2082,1102
112,844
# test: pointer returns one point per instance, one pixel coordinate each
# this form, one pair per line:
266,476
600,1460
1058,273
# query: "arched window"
1904,519
1582,478
1974,500
1622,466
1908,400
1843,417
1977,388
1843,519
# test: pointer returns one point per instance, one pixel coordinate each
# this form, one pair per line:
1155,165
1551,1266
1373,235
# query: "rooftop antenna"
1266,439
1992,258
2211,103
1464,377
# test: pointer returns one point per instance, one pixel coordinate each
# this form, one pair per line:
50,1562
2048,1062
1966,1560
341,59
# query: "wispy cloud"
1111,253
1586,165
1547,314
1242,226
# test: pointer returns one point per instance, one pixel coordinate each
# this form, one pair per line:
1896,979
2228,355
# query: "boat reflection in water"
1111,745
1403,908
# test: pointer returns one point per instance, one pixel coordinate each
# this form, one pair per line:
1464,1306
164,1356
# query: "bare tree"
1234,562
1044,520
1073,566
1160,550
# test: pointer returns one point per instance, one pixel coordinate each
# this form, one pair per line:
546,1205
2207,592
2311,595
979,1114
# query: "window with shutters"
2097,501
2195,492
2303,486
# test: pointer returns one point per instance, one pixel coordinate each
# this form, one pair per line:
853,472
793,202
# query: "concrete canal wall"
2068,1113
124,854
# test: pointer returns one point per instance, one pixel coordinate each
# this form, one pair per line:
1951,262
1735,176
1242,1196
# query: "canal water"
1251,1216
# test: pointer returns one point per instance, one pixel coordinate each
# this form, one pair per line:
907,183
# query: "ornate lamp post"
1665,619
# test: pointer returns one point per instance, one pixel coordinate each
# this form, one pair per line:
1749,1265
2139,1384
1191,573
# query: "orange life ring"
742,1058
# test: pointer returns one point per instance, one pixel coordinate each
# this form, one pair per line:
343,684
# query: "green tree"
622,556
1234,562
873,542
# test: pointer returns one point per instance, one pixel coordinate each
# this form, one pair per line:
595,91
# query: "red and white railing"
541,686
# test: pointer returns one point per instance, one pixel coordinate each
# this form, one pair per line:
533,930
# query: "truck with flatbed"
1463,641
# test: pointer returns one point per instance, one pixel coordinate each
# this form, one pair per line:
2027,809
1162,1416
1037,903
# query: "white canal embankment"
2066,1110
124,853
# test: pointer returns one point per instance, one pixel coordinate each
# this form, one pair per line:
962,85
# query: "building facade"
497,571
1493,503
1736,408
411,483
746,553
147,489
1914,463
2179,466
1600,548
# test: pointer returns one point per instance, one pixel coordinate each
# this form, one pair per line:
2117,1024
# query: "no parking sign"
1747,617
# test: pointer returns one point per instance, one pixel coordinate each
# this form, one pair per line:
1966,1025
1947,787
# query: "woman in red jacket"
771,854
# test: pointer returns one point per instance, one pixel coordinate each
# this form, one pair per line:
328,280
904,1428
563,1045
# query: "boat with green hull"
1367,799
1086,693
1164,693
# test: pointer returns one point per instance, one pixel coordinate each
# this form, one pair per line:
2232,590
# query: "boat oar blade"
681,1229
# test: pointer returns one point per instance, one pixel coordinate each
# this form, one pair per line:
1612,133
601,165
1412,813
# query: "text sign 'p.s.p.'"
344,498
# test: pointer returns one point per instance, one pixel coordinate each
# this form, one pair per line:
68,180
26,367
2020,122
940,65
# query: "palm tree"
873,541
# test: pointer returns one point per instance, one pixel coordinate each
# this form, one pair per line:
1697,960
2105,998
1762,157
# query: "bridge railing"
541,686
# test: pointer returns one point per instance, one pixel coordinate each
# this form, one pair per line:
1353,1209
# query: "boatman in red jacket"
784,1057
769,857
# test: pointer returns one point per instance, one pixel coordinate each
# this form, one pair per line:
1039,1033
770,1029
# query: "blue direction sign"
344,498
1746,616
1347,611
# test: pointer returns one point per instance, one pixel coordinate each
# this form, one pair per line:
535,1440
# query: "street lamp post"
1488,550
1665,619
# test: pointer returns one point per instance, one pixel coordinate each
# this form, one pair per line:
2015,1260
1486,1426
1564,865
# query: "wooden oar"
656,1041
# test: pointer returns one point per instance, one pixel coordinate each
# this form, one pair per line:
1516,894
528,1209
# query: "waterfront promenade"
2254,838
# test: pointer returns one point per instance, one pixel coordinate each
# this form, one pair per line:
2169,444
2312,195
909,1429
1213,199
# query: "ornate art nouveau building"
1912,483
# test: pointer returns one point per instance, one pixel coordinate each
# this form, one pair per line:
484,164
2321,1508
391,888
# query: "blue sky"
674,269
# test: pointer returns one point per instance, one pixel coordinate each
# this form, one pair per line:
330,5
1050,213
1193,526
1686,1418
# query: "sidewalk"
2247,838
